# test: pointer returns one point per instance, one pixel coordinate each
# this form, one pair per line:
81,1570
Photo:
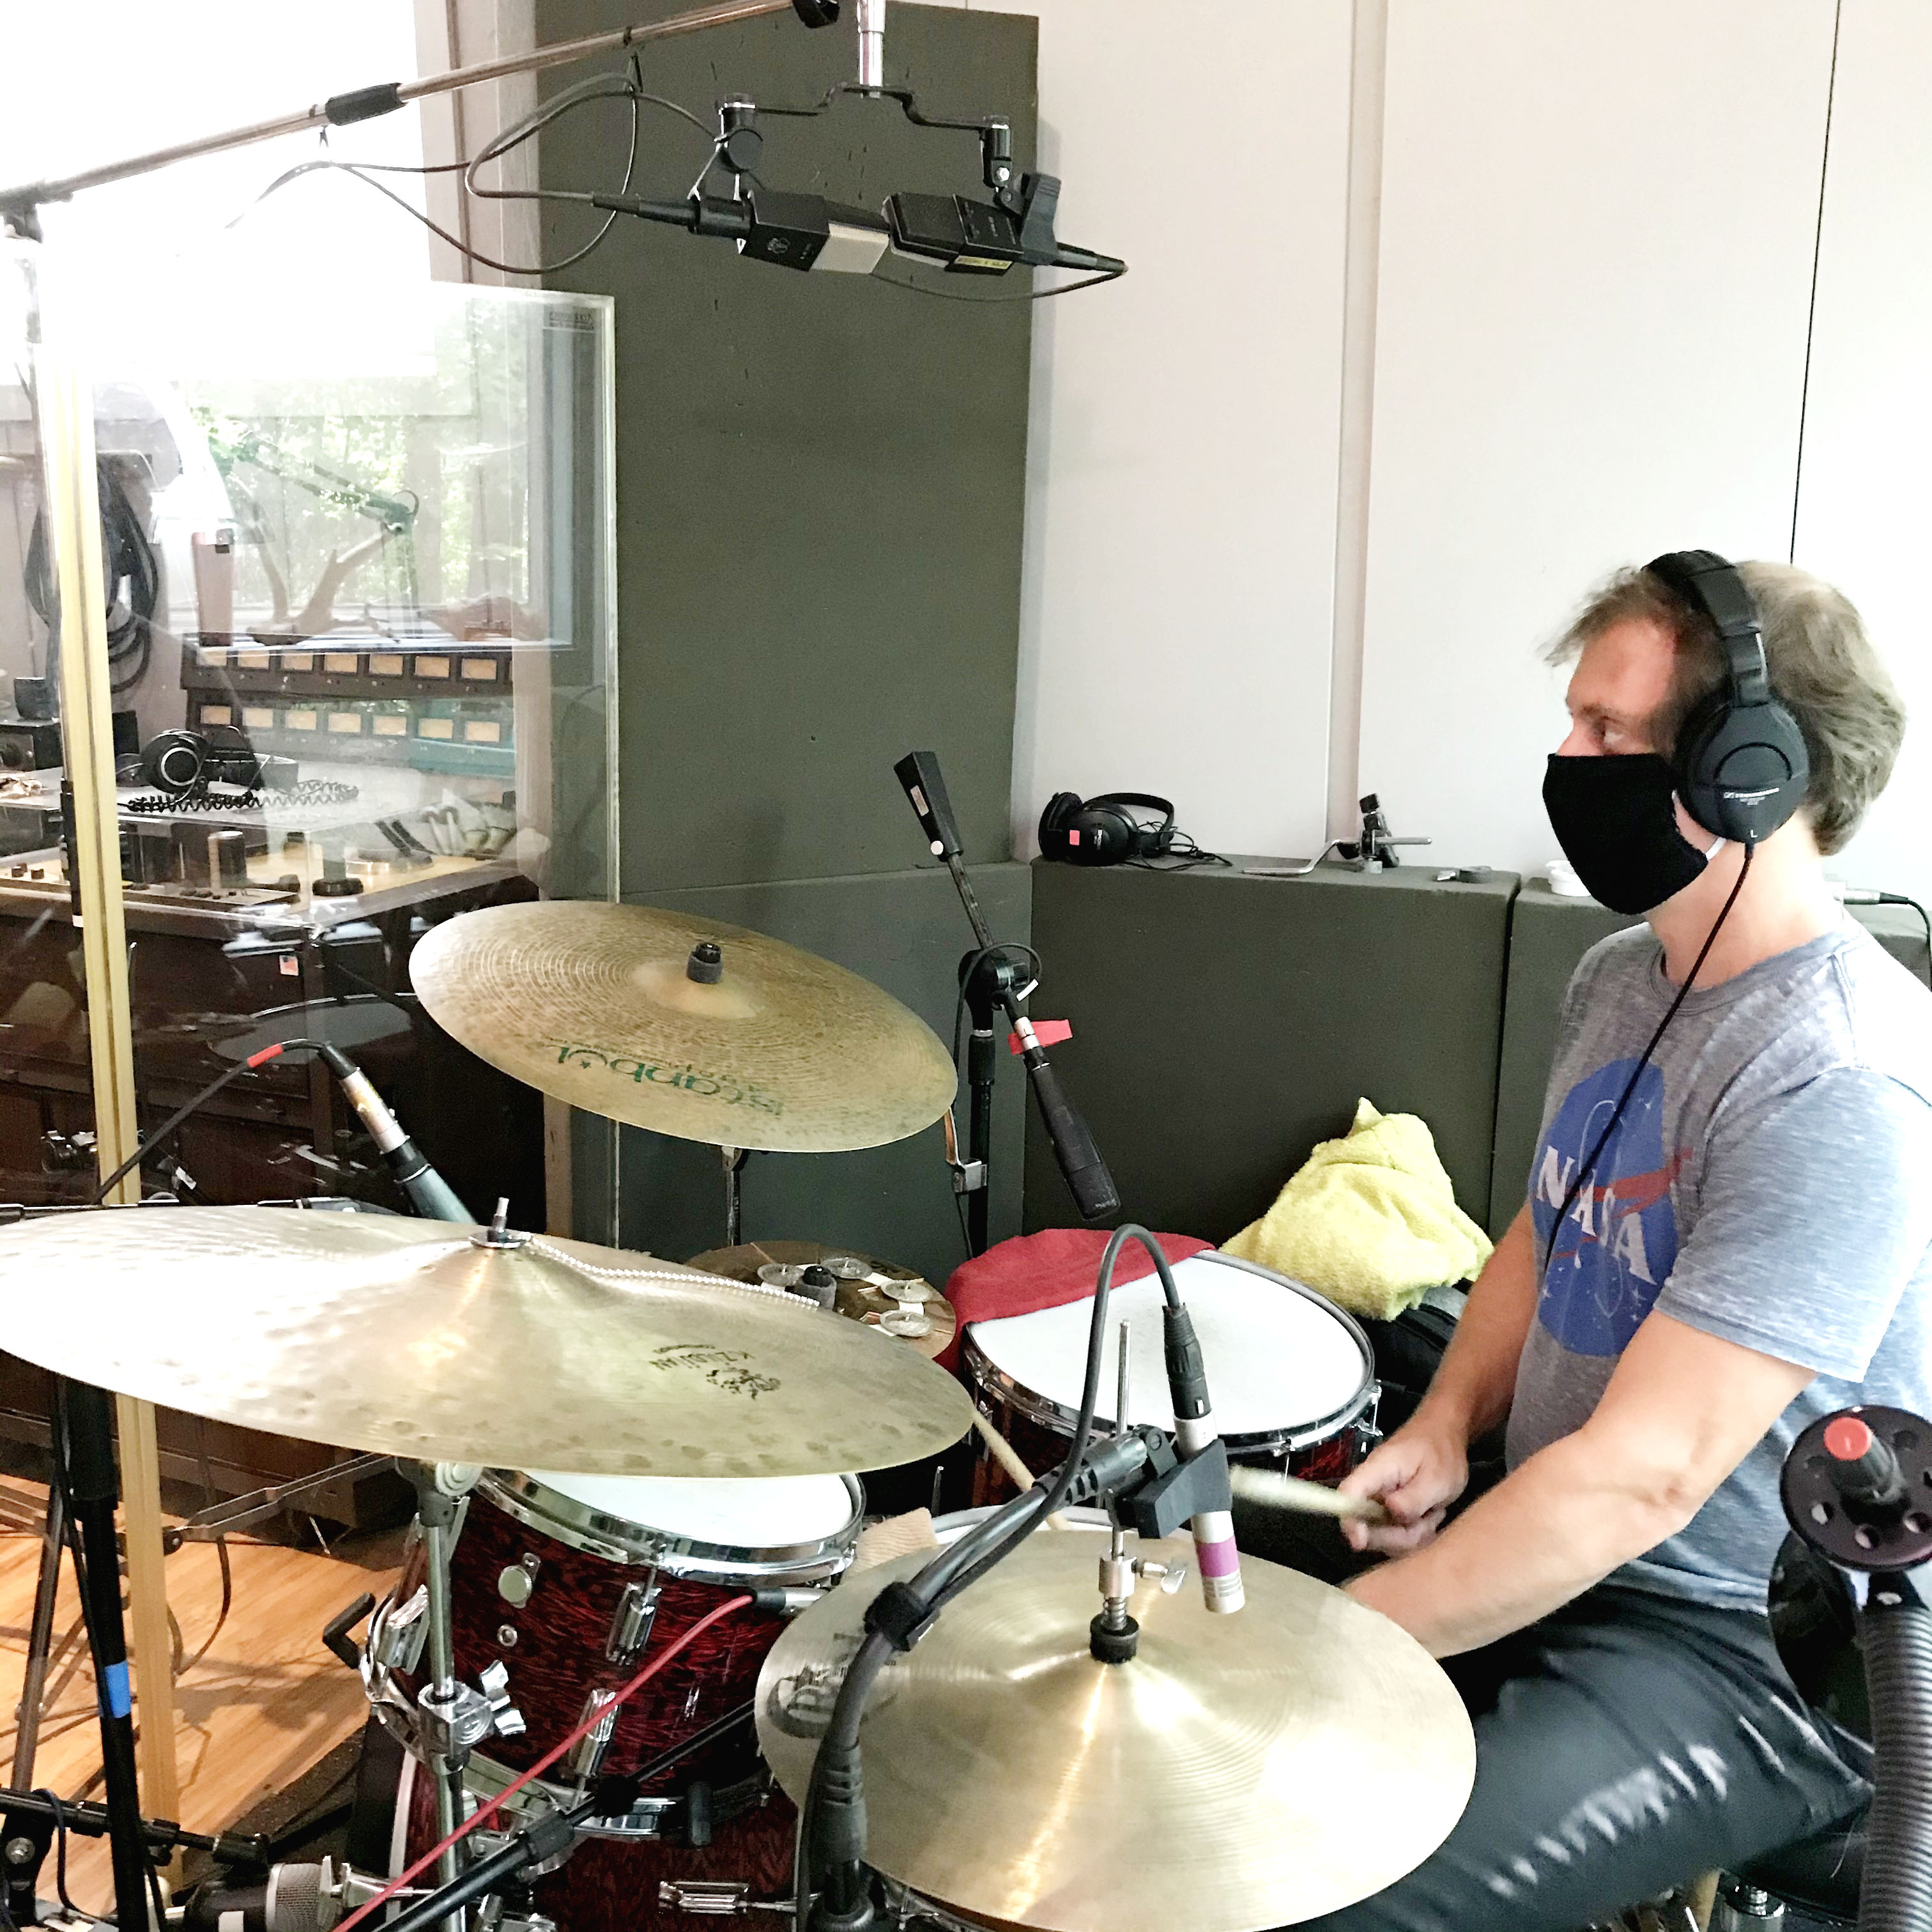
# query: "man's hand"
1416,1474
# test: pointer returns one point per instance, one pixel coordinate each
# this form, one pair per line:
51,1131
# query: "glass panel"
359,555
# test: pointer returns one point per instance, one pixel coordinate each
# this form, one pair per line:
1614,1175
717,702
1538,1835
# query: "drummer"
1749,1251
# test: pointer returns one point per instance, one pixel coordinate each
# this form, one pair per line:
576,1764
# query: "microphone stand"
990,981
84,1468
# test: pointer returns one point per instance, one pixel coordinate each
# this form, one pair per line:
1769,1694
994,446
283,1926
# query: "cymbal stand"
734,1169
453,1716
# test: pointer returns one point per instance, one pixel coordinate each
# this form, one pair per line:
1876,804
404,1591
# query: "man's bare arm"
1682,1410
1422,1469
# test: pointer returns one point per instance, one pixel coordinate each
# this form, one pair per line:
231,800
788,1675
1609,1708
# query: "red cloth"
1043,1270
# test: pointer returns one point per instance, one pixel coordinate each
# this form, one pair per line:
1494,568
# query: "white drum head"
1276,1359
732,1512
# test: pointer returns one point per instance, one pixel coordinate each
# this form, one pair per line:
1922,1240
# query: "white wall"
1590,257
1590,348
1181,467
1865,503
97,83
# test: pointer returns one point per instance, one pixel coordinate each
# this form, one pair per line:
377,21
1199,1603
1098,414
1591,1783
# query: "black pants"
1625,1744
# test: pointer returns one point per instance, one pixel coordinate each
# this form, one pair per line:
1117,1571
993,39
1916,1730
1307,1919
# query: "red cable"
542,1765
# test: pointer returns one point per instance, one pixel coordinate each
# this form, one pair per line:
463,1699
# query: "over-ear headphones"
179,761
1098,832
1742,768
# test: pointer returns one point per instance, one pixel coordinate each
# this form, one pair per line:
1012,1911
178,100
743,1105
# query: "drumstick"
1281,1492
1008,1459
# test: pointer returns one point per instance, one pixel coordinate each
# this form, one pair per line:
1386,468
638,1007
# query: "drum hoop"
989,1375
639,1545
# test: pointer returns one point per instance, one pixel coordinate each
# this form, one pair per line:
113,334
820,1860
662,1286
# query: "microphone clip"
1168,1499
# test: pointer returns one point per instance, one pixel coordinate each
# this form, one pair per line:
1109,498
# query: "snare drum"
1292,1376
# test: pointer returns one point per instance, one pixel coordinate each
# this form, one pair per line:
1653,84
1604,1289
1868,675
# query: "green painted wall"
821,482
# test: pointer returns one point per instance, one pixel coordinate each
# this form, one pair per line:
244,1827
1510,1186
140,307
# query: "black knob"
706,963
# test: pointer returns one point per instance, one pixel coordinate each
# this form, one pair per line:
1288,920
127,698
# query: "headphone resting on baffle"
1100,832
1742,768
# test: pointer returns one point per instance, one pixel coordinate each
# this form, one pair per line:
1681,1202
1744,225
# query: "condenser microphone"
1195,1435
429,1194
792,231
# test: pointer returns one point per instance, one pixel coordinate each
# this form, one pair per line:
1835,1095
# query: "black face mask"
1614,819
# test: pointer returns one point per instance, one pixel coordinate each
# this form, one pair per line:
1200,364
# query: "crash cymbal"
594,1004
406,1338
1241,1772
866,1297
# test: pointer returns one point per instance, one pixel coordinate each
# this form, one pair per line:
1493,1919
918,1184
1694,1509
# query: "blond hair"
1823,665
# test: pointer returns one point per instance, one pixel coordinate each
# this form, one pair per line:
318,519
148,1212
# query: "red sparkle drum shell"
538,1578
1292,1376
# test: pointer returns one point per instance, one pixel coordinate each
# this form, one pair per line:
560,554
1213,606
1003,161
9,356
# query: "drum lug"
587,1760
1368,1432
631,1624
396,1641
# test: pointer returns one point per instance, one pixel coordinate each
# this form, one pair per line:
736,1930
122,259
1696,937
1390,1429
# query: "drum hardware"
550,1834
1114,1636
451,1718
600,1712
716,1898
631,1627
734,1159
1854,1488
396,1636
882,1295
516,1581
991,980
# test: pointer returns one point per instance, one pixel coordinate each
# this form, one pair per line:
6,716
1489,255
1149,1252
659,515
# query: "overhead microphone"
429,1194
807,231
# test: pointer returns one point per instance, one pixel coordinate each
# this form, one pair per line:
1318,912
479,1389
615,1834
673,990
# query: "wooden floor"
263,1706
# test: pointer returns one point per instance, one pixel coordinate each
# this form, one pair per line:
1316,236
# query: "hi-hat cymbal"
407,1338
594,1005
1241,1772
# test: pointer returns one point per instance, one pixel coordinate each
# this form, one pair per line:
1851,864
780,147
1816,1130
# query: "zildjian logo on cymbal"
685,1077
719,1366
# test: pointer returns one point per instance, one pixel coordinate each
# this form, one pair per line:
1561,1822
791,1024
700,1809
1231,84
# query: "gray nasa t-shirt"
1770,1183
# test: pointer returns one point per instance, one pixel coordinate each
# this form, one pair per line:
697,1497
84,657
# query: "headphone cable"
1584,1171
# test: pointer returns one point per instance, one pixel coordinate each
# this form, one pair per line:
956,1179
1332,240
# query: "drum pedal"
715,1898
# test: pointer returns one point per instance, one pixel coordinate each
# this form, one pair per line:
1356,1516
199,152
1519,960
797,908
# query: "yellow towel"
1370,1220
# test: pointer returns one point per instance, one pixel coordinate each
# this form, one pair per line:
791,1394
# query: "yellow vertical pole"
66,404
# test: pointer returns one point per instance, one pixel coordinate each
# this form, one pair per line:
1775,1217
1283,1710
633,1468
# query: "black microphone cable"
1588,1166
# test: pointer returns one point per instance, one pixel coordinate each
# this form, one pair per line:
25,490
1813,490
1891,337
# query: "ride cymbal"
595,1005
1240,1772
409,1338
